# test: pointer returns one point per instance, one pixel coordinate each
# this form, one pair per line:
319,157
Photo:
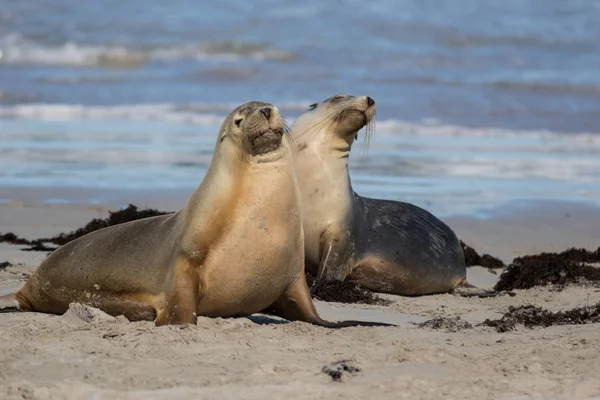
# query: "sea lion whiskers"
325,121
310,133
345,109
323,124
240,151
289,136
287,131
370,129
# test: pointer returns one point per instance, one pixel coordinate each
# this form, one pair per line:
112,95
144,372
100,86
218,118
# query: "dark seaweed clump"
550,269
473,258
534,316
13,239
131,213
339,369
4,265
38,245
35,245
449,324
343,292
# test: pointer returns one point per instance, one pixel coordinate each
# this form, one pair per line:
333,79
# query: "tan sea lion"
236,248
387,246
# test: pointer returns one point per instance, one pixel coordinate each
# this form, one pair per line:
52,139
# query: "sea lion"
236,248
386,246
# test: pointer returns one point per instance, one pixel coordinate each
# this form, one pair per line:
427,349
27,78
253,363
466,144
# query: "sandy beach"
87,354
487,115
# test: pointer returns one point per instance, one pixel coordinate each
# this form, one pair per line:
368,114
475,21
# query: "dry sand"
87,354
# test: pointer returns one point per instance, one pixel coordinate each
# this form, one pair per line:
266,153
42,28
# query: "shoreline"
68,357
514,229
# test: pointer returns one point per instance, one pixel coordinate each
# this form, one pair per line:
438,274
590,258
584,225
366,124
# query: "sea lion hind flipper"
296,305
11,303
465,289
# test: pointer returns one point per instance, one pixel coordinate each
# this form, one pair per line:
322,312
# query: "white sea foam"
202,113
213,113
14,49
434,127
436,150
67,112
401,151
197,113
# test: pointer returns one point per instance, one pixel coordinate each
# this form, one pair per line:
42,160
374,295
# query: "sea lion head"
342,115
254,129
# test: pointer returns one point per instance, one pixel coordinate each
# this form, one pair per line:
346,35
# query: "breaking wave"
14,49
194,113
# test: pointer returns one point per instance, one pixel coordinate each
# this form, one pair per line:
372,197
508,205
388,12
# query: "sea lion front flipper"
182,298
296,305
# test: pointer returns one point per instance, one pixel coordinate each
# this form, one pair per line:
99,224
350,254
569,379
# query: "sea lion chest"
257,256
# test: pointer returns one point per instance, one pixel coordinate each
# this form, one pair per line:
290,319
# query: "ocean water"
478,102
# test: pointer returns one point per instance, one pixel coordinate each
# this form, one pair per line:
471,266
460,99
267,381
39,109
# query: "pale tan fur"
323,148
236,248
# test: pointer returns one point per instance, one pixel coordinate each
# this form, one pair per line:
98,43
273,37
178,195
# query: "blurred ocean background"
479,103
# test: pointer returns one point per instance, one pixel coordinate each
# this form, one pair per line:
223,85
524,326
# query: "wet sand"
59,357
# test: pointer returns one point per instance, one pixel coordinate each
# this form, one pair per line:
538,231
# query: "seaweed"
473,258
534,316
13,239
343,292
131,213
550,269
339,369
36,245
449,324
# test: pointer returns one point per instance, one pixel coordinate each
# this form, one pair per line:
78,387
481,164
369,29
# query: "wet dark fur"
427,254
385,246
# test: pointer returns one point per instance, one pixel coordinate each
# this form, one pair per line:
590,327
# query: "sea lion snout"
266,111
359,110
262,118
365,104
352,113
265,129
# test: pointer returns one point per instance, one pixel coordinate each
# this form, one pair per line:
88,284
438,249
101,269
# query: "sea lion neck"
326,188
327,153
230,172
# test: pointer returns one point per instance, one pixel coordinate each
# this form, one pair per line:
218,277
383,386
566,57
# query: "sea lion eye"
313,106
238,122
339,97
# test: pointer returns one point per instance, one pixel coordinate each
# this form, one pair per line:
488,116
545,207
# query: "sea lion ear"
313,106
